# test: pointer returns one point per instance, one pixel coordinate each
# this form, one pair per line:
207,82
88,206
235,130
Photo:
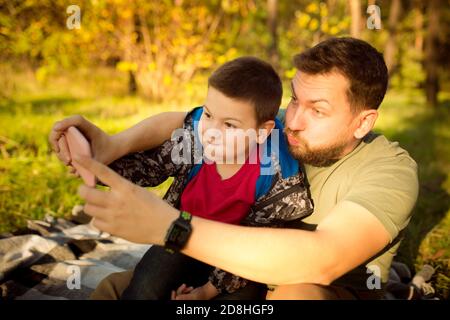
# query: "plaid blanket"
61,259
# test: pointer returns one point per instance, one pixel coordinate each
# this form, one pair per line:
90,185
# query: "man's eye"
318,113
207,115
294,98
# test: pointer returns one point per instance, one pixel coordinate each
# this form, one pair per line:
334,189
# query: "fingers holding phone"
72,144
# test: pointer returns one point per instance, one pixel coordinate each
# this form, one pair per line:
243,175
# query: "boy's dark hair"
253,80
358,61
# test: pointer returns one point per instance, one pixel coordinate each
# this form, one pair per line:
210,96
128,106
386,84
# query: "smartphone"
78,145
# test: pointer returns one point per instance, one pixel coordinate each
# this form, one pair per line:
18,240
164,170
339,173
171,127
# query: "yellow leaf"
312,8
303,20
167,80
314,24
290,73
323,10
334,30
125,66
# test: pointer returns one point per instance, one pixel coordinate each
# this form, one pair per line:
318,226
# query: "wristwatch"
178,233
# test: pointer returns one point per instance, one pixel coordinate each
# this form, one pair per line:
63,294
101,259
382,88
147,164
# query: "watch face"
178,234
174,233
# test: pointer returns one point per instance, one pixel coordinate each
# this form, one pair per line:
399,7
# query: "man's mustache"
295,134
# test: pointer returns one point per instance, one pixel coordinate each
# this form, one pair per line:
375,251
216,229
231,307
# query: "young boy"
246,177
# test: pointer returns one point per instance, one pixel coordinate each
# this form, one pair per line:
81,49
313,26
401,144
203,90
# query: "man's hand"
126,210
103,146
205,292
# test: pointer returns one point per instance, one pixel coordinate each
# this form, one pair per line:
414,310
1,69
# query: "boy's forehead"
226,107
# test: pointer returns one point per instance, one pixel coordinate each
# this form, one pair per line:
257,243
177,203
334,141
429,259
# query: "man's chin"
320,158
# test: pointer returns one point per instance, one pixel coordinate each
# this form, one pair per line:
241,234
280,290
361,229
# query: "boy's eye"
207,115
229,125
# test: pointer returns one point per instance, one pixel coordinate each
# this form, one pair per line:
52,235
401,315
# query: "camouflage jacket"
286,202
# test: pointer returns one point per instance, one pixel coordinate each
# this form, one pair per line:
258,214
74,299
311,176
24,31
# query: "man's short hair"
252,80
358,61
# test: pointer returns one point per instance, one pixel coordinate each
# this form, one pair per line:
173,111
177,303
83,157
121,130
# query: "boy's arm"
152,167
148,133
147,168
105,148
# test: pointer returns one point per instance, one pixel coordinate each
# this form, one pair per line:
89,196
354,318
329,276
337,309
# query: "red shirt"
228,200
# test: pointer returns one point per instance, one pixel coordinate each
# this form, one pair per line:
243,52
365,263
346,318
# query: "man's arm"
347,237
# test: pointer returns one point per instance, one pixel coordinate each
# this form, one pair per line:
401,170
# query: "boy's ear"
264,130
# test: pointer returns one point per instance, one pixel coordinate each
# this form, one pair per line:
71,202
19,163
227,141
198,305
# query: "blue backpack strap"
289,166
194,171
196,113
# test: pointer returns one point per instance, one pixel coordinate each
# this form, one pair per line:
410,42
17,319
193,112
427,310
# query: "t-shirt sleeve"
389,190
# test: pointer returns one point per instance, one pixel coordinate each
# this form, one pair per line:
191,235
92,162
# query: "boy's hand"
185,293
205,292
104,148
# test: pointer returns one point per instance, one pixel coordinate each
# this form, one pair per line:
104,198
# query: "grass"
33,183
425,134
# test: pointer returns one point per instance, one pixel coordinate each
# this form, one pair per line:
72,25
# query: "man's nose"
297,121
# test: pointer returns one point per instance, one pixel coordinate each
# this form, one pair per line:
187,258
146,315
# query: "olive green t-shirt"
378,175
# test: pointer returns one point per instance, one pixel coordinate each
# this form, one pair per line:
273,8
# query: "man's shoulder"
383,165
377,149
376,161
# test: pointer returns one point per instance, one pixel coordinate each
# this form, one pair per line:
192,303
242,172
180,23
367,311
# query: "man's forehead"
330,87
323,82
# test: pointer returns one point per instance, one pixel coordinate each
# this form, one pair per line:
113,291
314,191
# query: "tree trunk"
431,52
132,85
128,25
355,11
418,25
391,48
272,24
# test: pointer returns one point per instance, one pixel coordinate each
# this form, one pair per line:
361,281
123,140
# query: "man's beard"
317,157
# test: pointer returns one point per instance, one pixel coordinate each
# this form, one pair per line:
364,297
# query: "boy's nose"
210,139
212,135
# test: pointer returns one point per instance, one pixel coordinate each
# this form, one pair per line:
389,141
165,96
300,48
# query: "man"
363,186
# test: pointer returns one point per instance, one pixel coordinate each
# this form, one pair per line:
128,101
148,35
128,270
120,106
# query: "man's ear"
264,130
366,122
